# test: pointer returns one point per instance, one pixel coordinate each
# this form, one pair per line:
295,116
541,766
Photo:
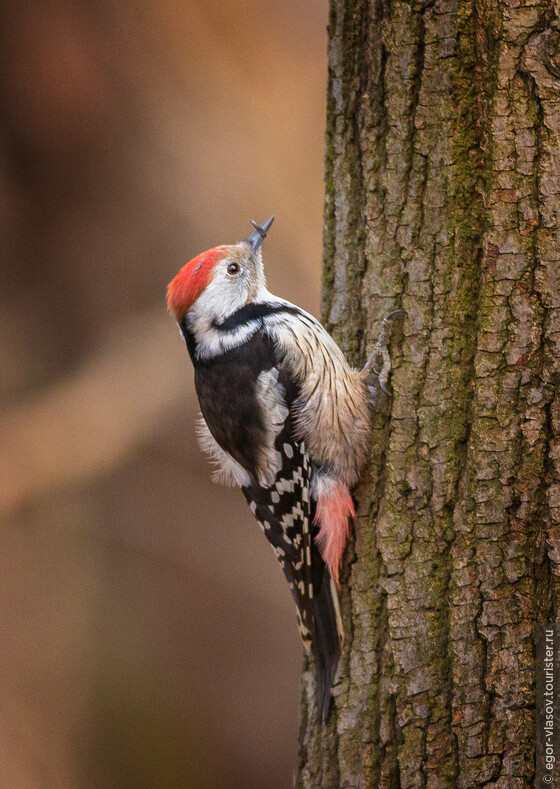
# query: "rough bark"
442,197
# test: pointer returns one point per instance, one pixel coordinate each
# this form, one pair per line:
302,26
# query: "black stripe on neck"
251,312
189,339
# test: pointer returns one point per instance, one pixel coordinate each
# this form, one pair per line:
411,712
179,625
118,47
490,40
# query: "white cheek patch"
222,296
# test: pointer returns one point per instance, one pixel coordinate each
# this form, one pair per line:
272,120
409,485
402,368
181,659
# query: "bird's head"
218,282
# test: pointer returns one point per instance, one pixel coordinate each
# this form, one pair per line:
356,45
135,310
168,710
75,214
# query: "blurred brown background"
147,636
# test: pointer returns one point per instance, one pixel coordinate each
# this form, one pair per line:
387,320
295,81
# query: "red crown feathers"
186,287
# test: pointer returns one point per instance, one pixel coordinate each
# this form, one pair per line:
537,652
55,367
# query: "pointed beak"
256,238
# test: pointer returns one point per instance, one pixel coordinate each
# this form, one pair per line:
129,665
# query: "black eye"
233,268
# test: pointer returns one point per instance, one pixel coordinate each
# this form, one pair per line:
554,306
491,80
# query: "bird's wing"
285,512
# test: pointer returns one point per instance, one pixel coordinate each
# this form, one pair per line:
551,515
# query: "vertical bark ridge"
500,511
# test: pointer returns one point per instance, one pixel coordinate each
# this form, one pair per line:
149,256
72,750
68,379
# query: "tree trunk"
442,197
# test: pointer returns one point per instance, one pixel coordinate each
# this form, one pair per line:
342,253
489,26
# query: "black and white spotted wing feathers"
285,512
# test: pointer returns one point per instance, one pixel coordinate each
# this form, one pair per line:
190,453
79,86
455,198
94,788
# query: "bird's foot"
379,361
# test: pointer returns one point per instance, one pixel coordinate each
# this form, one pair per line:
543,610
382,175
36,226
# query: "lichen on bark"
442,197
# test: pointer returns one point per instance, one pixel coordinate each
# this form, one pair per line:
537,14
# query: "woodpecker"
285,418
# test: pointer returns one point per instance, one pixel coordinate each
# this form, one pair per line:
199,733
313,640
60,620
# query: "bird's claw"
384,389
